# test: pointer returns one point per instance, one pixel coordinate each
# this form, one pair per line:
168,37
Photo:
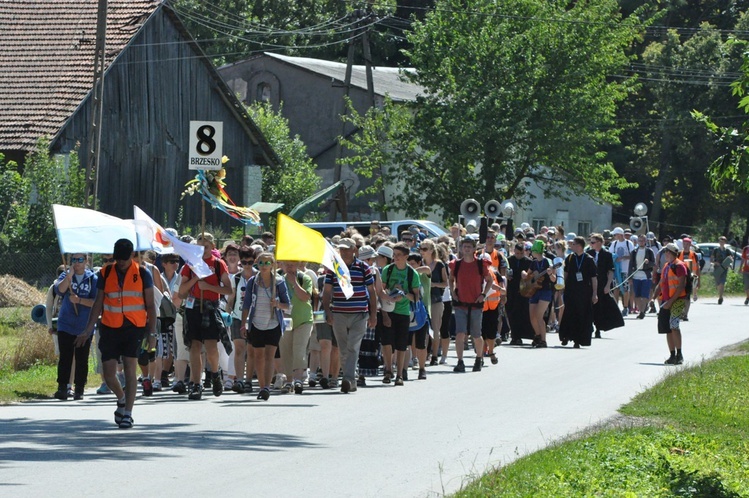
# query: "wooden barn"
157,79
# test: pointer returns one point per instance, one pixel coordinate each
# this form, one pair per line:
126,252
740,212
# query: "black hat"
123,250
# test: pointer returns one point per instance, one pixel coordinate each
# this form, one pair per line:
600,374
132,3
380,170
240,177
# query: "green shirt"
301,311
393,278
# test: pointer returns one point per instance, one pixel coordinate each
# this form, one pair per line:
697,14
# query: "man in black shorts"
126,303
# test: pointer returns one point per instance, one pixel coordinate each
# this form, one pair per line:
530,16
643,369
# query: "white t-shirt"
640,259
622,248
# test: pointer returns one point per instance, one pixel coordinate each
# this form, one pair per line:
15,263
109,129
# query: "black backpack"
689,286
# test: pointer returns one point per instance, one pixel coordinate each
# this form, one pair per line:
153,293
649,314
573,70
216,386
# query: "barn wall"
152,92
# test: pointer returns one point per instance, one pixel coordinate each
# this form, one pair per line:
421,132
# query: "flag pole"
202,232
69,267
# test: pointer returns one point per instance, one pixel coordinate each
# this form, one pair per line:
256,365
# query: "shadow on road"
24,439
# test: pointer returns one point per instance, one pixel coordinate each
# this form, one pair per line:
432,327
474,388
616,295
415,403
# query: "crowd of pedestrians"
261,326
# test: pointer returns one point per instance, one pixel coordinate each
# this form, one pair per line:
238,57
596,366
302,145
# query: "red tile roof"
46,60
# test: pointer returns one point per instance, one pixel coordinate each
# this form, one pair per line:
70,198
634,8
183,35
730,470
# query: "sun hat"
385,251
366,252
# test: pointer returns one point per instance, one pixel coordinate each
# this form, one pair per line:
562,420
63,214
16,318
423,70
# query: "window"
263,92
583,228
537,224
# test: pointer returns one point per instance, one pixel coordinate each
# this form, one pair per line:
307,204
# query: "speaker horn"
636,223
492,209
470,209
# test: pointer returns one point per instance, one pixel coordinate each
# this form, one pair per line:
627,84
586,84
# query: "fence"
24,279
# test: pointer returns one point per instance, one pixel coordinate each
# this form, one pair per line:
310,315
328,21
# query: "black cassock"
577,321
606,313
517,305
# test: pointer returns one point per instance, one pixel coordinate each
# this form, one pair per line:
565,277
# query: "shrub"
35,347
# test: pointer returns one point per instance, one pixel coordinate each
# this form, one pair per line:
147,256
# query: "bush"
34,347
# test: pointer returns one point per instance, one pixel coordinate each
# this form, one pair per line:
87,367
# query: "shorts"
261,338
314,344
194,323
625,285
165,344
720,277
461,321
419,337
670,319
448,321
541,295
397,335
124,341
236,335
490,324
324,332
642,287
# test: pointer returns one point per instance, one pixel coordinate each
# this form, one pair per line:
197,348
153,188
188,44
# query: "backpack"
419,315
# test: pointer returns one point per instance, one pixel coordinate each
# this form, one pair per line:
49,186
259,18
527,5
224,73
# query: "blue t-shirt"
73,319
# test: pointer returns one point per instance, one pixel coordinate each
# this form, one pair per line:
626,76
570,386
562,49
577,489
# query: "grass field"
688,436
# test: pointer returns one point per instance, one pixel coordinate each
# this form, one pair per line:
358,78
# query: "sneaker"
460,367
298,387
404,374
324,383
196,392
345,386
387,378
279,381
286,388
179,387
207,383
398,381
104,389
312,382
147,387
443,360
361,381
229,384
248,386
119,413
477,365
218,388
333,382
746,301
720,300
679,359
157,386
126,422
541,344
516,342
422,374
641,315
434,361
264,394
493,358
237,386
625,312
78,395
671,360
70,392
165,380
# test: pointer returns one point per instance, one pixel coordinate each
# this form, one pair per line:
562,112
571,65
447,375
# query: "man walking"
125,301
642,274
673,296
470,282
621,249
350,317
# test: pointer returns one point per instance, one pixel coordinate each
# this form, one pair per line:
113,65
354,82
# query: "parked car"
706,249
329,229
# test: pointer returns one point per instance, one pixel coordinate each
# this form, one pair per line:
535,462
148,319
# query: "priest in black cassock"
606,313
517,305
580,294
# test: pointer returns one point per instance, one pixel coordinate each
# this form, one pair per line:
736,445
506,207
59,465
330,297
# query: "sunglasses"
107,260
264,263
247,261
77,260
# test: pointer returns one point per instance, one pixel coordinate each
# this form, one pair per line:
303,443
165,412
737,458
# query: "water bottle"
559,285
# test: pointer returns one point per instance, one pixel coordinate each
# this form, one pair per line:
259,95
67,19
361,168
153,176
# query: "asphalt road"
423,439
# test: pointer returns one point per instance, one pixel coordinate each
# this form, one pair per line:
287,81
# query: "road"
423,439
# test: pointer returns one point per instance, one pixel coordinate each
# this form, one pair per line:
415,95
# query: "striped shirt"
362,276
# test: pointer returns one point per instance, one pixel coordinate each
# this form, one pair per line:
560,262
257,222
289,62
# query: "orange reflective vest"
123,302
672,281
494,298
693,263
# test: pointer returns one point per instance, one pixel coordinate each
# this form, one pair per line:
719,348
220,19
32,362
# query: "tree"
294,179
27,197
514,92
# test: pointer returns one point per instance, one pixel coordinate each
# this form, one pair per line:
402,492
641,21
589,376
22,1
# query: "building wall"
152,92
313,105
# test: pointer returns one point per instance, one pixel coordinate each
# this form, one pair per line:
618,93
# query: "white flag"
85,230
164,243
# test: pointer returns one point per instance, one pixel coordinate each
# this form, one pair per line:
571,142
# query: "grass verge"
688,436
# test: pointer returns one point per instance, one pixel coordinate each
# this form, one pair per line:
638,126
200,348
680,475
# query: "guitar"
533,281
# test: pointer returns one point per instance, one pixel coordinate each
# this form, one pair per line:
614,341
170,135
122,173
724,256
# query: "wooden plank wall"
152,92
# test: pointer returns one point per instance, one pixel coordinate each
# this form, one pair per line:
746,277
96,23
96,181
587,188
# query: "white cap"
617,231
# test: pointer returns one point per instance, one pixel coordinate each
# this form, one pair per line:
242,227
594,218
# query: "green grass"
38,382
688,437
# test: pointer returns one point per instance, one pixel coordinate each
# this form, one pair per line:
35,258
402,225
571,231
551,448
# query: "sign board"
206,145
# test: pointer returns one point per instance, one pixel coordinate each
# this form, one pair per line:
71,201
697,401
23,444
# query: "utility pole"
97,108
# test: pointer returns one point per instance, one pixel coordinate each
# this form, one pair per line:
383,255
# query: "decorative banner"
151,233
210,185
296,242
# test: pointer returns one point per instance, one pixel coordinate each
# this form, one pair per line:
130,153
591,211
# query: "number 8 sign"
206,144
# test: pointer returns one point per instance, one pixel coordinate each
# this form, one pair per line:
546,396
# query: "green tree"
516,91
294,179
27,197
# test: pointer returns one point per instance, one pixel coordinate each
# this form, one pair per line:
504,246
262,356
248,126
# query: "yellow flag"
296,242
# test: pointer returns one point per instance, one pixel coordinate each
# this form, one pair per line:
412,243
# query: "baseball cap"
651,236
672,248
205,236
686,239
617,231
123,250
538,247
346,243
